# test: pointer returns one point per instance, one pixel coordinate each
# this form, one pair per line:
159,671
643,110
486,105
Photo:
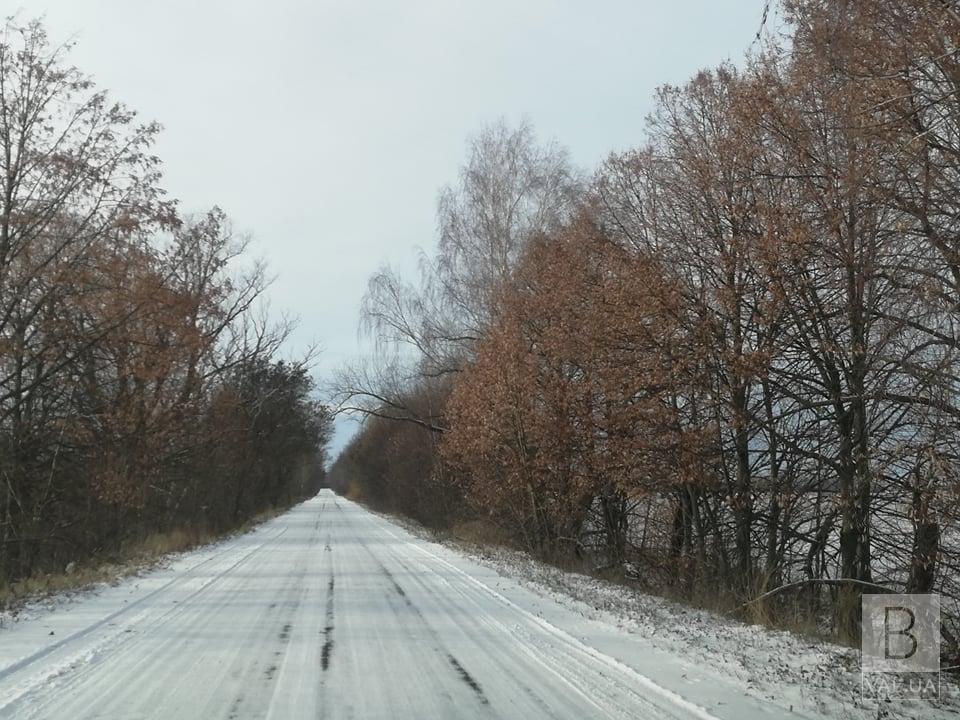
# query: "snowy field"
332,611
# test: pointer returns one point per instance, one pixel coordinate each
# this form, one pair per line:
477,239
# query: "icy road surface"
330,611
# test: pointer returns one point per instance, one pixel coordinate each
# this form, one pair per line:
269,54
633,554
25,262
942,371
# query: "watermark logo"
900,644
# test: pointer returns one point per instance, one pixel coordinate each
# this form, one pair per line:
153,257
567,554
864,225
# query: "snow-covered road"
330,611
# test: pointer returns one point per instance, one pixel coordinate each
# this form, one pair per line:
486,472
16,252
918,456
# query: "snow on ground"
330,611
801,673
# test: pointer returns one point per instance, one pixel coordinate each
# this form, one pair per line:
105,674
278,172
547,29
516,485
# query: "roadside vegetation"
725,363
144,404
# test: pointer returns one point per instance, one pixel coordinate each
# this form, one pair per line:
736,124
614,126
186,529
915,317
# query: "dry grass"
132,558
40,585
784,614
481,532
159,544
354,492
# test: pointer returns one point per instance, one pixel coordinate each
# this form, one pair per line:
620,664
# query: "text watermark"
900,645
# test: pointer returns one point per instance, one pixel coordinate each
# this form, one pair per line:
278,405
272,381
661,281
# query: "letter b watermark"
905,619
900,644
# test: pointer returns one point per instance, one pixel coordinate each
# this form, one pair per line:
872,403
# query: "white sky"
326,128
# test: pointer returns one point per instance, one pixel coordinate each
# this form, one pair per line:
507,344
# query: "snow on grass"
810,674
811,677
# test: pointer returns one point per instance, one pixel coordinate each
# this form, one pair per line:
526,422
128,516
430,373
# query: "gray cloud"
325,129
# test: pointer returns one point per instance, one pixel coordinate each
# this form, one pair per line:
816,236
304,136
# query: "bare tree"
510,190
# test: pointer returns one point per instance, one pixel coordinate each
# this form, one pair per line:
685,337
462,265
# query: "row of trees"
139,386
729,358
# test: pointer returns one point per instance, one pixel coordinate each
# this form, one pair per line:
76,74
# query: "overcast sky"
326,128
